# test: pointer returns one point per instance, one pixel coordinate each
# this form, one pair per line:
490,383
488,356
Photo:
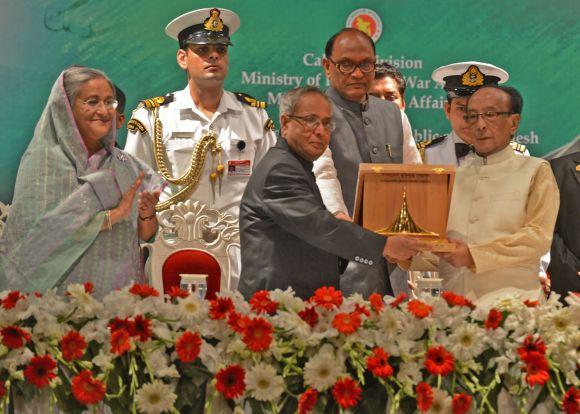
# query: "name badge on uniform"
239,168
182,134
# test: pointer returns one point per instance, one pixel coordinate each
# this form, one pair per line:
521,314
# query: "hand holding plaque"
406,200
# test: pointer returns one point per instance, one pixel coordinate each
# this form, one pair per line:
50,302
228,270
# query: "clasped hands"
145,203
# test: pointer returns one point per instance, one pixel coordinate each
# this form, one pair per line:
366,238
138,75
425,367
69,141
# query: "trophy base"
435,244
441,246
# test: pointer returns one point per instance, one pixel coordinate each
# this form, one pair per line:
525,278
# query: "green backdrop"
536,41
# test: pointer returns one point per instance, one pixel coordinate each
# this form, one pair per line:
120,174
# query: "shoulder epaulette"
134,125
248,100
269,125
428,142
157,101
517,147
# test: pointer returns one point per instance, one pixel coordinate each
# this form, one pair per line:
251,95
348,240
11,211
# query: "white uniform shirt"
326,176
237,125
444,152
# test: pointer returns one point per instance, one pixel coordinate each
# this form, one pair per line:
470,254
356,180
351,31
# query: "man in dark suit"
288,237
565,253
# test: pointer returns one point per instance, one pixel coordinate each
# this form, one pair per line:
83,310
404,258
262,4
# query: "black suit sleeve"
290,200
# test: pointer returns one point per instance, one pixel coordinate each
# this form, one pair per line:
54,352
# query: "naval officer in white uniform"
229,132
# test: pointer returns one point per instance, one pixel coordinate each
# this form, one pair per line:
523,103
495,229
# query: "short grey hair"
289,99
75,76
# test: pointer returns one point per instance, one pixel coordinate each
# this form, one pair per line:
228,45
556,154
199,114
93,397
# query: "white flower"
409,374
294,323
119,303
264,384
47,326
322,371
388,323
209,356
441,402
87,306
192,309
154,398
160,364
95,331
558,324
162,331
503,364
467,341
287,299
509,303
16,358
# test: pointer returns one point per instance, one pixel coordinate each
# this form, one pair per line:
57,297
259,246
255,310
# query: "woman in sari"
75,216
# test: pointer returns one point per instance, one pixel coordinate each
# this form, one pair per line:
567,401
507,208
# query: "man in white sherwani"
503,208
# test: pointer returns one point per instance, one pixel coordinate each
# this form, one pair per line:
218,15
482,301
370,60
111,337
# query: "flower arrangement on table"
136,352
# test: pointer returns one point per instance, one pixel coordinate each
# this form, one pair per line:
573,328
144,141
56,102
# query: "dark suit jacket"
288,238
565,252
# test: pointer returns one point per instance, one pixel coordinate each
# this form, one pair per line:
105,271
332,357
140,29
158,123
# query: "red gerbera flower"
424,396
40,371
120,342
378,363
188,346
307,401
461,403
376,302
89,288
219,308
238,322
14,336
439,361
73,346
176,292
493,320
419,309
346,392
142,328
309,316
327,297
346,323
2,389
122,324
261,303
361,310
454,299
571,401
537,369
531,303
530,346
400,298
86,389
144,291
230,381
11,299
258,334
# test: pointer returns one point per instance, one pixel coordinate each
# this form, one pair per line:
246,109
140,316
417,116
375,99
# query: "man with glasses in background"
503,207
288,237
368,130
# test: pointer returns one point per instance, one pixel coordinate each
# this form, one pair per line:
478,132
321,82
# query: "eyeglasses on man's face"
311,122
346,67
94,103
488,116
